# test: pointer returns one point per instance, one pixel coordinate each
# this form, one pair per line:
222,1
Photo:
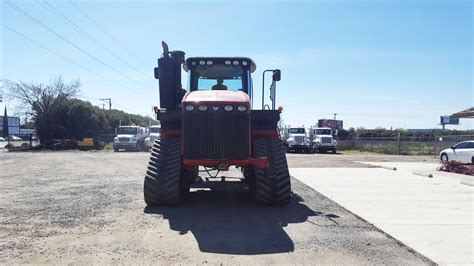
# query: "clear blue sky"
374,63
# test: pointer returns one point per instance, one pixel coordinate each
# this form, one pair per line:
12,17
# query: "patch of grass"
355,152
109,146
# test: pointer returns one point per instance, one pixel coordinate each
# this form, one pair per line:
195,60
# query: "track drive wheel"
163,183
272,184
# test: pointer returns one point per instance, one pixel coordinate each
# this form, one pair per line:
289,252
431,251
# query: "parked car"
14,138
3,142
462,152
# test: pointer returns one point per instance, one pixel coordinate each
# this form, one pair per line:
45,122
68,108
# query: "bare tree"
41,101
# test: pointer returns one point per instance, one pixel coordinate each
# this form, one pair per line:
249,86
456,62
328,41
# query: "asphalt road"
87,207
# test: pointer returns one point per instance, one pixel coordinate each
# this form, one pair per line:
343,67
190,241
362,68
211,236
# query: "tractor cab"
220,73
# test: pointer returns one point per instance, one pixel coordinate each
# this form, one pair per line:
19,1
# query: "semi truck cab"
323,140
129,138
296,139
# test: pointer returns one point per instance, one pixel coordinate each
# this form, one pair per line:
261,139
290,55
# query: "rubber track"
272,185
162,179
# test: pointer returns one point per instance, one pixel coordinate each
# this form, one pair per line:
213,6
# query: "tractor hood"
224,96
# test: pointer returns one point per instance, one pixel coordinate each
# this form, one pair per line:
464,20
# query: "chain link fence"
402,145
21,142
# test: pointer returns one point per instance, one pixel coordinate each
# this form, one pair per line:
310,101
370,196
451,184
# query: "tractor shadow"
224,219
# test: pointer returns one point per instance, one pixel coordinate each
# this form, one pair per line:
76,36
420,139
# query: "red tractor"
214,126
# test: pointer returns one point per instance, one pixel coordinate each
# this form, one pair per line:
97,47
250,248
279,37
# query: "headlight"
202,108
228,108
242,108
189,107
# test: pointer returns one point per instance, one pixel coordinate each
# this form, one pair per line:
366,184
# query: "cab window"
296,131
219,77
233,84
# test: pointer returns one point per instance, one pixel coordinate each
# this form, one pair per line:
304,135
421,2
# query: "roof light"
209,62
227,62
193,63
202,108
228,108
235,62
244,63
189,107
202,62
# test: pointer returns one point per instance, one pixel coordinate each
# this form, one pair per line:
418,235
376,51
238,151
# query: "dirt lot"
84,207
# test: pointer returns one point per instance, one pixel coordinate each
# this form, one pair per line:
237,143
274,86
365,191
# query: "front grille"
299,139
216,135
124,139
326,140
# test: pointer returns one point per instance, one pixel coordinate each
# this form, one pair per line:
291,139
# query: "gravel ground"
87,207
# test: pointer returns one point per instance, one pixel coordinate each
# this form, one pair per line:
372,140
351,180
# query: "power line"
26,14
69,60
78,29
106,32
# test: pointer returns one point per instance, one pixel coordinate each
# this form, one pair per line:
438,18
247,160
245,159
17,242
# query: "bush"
457,167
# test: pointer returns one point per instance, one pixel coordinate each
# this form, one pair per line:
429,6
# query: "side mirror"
276,75
157,72
452,147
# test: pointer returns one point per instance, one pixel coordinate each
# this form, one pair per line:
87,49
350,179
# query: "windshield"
127,130
155,130
323,132
218,77
296,130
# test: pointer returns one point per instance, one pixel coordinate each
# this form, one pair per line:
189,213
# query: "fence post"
371,144
398,143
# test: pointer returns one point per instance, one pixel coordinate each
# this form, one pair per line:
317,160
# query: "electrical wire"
70,60
211,176
26,14
106,32
78,29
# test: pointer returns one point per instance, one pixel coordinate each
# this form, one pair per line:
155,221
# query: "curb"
389,168
422,174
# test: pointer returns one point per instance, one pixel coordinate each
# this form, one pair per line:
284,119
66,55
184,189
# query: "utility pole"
109,100
335,116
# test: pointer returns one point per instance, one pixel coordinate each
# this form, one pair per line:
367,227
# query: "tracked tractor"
213,124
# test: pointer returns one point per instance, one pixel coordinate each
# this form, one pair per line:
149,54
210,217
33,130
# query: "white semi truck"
296,139
154,135
130,138
322,139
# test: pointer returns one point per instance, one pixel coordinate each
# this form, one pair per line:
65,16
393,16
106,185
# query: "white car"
462,152
3,142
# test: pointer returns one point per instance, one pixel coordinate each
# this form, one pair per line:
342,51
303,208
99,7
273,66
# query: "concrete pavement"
434,216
